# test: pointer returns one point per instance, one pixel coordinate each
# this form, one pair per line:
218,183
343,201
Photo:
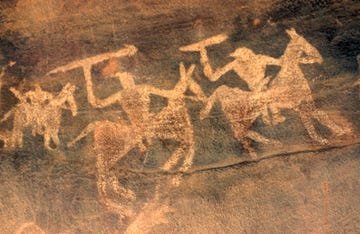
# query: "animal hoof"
176,181
278,119
266,120
324,141
278,143
130,195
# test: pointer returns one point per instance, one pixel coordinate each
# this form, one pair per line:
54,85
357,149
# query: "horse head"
66,98
299,48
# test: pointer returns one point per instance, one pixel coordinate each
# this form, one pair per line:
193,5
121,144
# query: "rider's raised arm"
92,99
208,71
208,106
17,94
112,99
159,92
221,71
270,60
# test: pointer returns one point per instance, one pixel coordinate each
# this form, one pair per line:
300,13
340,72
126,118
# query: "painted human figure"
135,100
246,64
249,66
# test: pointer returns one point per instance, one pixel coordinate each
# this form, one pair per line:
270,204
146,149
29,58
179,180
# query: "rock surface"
114,121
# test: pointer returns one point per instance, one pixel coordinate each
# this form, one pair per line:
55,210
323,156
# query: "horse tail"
86,131
7,115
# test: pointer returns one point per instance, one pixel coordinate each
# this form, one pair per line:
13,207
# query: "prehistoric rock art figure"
113,140
288,90
41,111
238,105
241,108
293,91
5,136
3,69
248,66
173,122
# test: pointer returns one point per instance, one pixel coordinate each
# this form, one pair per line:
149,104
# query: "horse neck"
61,98
289,67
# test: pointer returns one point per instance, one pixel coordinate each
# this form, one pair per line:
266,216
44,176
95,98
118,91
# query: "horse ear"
291,32
182,70
190,71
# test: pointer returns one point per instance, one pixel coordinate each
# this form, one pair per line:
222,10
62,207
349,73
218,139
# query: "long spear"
128,50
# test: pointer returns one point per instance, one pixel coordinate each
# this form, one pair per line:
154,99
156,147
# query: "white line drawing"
288,90
294,92
129,50
112,141
3,69
5,135
123,137
41,111
241,108
173,122
247,65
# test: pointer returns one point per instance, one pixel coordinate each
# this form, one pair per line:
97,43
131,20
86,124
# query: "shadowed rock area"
191,116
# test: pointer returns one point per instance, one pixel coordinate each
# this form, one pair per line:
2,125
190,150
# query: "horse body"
113,140
291,90
44,117
173,122
241,108
290,83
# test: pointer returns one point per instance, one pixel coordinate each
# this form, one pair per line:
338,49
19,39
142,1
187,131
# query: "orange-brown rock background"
299,187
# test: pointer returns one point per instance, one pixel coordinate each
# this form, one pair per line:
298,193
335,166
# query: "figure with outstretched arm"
246,64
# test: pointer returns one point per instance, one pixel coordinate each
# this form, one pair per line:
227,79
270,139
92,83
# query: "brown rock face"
179,116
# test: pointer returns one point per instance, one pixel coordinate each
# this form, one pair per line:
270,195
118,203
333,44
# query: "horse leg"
309,126
265,115
88,129
5,137
259,138
240,131
188,147
47,140
120,190
189,157
247,146
102,182
55,139
110,178
174,158
17,134
277,117
324,119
